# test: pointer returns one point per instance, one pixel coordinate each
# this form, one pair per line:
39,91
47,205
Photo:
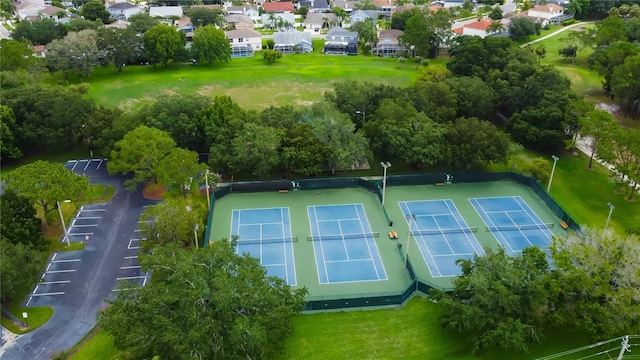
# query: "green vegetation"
79,152
98,346
293,80
36,317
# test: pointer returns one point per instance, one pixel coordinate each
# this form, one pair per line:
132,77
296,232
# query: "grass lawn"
36,317
80,152
99,347
294,79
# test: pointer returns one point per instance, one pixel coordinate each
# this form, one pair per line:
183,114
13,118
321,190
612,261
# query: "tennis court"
344,245
513,223
442,235
266,235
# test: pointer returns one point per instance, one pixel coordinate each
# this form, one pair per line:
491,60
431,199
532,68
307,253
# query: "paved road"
76,283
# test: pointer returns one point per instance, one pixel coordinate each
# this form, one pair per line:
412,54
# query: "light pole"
385,165
611,207
409,218
64,227
206,182
363,115
195,233
553,169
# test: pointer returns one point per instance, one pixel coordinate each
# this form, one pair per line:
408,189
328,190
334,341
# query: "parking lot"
87,166
130,269
57,276
86,223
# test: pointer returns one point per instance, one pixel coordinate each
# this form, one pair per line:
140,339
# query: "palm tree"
495,27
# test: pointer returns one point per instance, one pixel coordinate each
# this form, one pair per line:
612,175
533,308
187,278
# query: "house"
239,22
279,7
317,21
185,25
39,51
402,8
55,13
290,42
122,10
208,6
476,28
547,11
274,20
315,6
166,14
363,15
388,43
449,3
385,7
26,9
245,37
248,10
345,5
341,42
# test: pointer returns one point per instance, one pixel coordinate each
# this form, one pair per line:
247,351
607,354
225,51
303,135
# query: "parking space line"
93,210
90,217
48,266
46,294
91,225
86,166
133,247
74,165
131,277
131,257
54,282
130,267
70,260
79,234
137,230
28,301
54,256
145,281
101,161
59,271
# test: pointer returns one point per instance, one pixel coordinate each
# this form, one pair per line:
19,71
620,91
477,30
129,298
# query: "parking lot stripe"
59,271
28,301
130,267
54,282
70,260
54,256
46,294
94,210
145,281
137,230
68,234
131,257
91,225
101,161
48,266
74,165
131,277
36,289
89,217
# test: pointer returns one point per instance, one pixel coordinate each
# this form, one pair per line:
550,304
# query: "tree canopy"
222,305
163,43
210,44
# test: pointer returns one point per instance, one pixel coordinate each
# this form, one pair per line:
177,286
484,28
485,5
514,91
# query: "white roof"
166,11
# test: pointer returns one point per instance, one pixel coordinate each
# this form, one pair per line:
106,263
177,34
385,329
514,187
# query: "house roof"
390,34
342,4
435,8
479,25
338,31
209,6
166,11
26,5
38,48
315,4
318,18
184,21
122,5
291,37
52,10
385,3
459,30
281,6
242,33
238,19
551,8
372,14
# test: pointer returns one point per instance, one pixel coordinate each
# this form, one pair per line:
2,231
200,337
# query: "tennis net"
520,227
241,241
343,236
445,231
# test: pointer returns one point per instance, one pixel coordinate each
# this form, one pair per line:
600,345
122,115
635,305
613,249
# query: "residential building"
385,7
388,43
363,15
290,42
278,7
345,5
547,11
122,10
245,37
341,42
166,14
315,6
248,10
239,22
476,28
317,21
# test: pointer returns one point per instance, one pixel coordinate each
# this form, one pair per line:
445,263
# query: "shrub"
568,22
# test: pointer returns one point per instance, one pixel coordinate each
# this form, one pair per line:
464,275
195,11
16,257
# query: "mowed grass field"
251,82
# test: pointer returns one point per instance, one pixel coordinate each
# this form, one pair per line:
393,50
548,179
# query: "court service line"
445,240
485,217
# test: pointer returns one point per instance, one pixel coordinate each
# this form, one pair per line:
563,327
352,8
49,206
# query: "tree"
256,148
77,52
21,266
579,8
210,44
140,153
495,27
17,55
366,5
472,142
94,10
474,97
498,300
610,30
521,27
19,224
541,52
472,55
45,183
8,146
301,151
569,52
597,124
418,35
222,306
606,58
496,13
119,46
201,17
399,19
575,111
625,84
39,32
367,32
336,131
180,171
173,222
79,24
163,43
600,281
142,22
621,149
271,56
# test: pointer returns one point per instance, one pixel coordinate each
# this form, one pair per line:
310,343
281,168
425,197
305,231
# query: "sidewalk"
7,339
584,144
556,33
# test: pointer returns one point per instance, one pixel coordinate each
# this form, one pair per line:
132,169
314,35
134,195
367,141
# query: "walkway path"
556,33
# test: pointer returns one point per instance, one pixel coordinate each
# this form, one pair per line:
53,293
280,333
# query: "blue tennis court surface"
441,234
344,245
266,235
513,223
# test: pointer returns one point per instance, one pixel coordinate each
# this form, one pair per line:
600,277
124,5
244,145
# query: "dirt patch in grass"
153,191
207,90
